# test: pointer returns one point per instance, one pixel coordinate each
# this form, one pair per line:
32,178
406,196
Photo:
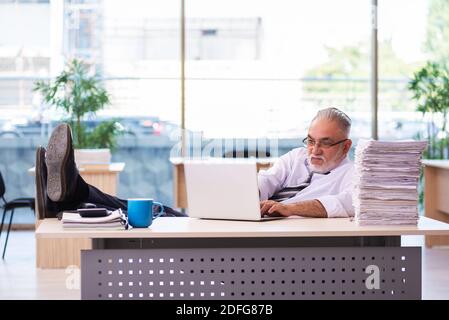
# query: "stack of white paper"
116,220
386,181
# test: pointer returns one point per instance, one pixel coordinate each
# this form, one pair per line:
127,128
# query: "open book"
116,220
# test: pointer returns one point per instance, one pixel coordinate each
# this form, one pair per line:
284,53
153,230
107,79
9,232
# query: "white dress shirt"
333,190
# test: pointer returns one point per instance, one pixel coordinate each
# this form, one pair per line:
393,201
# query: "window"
286,59
400,55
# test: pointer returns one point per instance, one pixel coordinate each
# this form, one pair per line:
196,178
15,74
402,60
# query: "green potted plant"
80,94
430,88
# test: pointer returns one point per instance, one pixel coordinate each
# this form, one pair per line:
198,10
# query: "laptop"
223,189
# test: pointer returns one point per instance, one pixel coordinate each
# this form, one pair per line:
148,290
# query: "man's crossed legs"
59,186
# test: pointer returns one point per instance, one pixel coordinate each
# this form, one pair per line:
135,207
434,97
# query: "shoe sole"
40,184
56,159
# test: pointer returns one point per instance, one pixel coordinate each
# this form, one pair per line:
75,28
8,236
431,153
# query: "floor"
19,279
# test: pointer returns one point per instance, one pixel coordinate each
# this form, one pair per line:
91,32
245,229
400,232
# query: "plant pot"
92,157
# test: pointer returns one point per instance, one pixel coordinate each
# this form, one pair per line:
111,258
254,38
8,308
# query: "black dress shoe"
41,183
62,173
46,208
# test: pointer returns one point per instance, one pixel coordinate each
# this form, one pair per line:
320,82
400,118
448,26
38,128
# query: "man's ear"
347,146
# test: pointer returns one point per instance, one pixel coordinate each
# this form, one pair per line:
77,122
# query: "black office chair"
11,206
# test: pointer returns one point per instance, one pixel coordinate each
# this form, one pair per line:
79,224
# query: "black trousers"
103,200
86,193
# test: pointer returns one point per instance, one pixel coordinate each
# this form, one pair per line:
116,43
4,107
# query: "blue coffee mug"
140,212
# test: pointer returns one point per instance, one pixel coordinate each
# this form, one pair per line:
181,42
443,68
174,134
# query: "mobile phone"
93,212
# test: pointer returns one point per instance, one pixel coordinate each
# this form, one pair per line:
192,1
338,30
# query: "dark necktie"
289,192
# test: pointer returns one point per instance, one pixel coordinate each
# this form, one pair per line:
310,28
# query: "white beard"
327,165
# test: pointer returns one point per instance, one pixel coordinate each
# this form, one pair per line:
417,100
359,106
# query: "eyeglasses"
325,143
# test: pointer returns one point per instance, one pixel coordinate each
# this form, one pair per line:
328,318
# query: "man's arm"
308,208
271,180
340,205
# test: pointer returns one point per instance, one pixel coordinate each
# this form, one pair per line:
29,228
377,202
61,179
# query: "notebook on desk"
114,220
223,189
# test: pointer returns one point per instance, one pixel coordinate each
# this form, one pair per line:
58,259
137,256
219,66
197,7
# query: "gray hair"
334,114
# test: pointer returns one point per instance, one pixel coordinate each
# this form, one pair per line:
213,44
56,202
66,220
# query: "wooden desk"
60,253
169,227
436,199
179,180
293,258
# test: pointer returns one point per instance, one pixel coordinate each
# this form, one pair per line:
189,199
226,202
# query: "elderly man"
314,181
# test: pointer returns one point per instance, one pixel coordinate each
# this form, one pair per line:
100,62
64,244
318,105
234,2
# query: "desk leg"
60,253
436,202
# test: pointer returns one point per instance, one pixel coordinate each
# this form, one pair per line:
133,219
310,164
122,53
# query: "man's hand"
273,208
307,208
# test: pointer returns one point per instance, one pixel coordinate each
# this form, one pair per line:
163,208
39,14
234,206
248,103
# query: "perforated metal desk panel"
295,258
